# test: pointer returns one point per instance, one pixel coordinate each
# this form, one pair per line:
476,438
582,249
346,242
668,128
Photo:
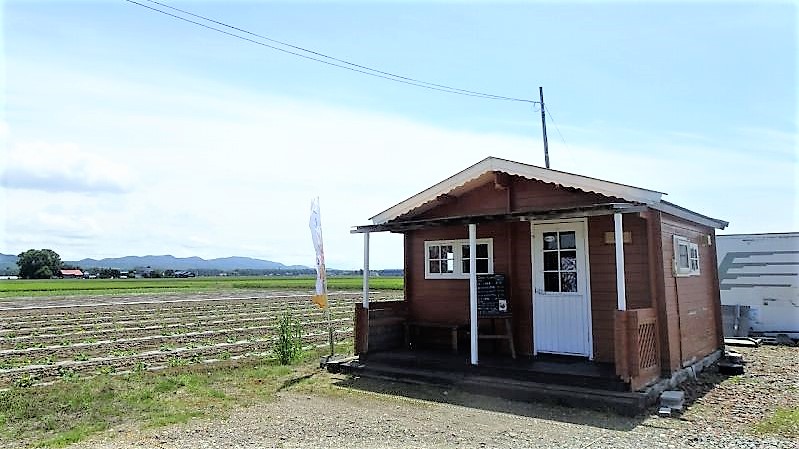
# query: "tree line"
46,263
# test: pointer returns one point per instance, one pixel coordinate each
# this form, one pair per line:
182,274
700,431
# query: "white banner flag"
320,298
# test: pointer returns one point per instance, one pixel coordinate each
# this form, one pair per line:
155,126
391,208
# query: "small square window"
686,257
550,240
551,282
482,250
449,259
683,256
567,240
568,282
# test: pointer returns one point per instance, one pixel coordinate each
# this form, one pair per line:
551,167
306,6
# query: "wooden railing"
637,346
380,327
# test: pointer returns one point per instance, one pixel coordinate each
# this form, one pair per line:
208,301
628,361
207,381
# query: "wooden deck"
567,381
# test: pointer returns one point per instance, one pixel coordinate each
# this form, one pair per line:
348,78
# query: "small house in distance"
70,274
514,271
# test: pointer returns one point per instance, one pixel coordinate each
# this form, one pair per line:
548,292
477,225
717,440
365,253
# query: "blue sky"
125,131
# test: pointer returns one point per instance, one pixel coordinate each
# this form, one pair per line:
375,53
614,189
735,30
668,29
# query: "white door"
561,301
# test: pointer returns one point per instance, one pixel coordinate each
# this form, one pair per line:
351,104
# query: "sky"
124,131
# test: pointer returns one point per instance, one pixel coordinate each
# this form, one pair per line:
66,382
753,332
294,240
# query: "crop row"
143,336
10,359
49,369
37,315
60,327
155,340
44,344
39,321
82,335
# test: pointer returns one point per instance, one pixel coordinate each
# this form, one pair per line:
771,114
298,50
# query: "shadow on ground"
453,396
704,383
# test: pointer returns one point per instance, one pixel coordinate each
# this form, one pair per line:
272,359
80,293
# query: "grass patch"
784,422
71,410
73,435
71,287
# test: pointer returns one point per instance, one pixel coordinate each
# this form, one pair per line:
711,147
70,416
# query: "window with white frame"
449,259
686,257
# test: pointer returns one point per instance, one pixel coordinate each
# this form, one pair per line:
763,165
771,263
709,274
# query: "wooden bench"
414,326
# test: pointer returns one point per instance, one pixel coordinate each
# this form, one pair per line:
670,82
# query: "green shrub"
288,343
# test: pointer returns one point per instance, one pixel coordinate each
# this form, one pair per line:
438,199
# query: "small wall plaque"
610,237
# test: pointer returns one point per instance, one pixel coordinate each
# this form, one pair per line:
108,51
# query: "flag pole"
327,315
329,324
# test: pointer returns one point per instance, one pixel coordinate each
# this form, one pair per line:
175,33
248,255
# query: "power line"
546,109
330,57
340,63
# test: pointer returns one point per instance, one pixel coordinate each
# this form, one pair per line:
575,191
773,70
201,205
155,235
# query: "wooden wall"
688,308
602,260
517,194
447,300
692,304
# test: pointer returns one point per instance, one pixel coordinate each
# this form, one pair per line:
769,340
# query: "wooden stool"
508,335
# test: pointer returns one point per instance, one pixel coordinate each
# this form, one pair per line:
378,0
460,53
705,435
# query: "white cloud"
219,172
62,168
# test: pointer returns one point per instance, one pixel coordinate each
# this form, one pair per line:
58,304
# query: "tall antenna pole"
544,127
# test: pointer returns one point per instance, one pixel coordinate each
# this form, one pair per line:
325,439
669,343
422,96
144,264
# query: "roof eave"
681,212
489,164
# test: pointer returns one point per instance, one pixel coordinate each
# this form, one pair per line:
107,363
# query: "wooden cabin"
510,264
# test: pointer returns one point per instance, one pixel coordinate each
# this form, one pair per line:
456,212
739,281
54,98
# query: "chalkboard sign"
491,299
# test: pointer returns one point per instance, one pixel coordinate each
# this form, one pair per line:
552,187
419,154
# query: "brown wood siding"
658,288
522,284
526,194
602,260
484,199
521,194
447,300
691,302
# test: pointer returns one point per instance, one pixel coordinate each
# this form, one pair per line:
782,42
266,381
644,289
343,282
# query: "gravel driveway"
319,414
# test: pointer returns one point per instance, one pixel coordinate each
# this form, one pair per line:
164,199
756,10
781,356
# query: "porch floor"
569,381
562,370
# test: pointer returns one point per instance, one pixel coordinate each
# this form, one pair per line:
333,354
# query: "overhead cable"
317,56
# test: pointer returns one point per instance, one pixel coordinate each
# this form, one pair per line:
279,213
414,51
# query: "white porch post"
618,234
366,270
473,290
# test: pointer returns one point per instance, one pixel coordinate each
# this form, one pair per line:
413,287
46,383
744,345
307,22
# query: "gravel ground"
316,414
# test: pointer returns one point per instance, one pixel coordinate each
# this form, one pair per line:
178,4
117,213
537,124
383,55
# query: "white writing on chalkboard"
491,297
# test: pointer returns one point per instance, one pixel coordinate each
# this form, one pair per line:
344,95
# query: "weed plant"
288,342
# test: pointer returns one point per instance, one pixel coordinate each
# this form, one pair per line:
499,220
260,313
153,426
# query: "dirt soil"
335,411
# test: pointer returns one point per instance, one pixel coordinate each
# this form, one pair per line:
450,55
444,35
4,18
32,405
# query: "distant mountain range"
168,262
8,263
